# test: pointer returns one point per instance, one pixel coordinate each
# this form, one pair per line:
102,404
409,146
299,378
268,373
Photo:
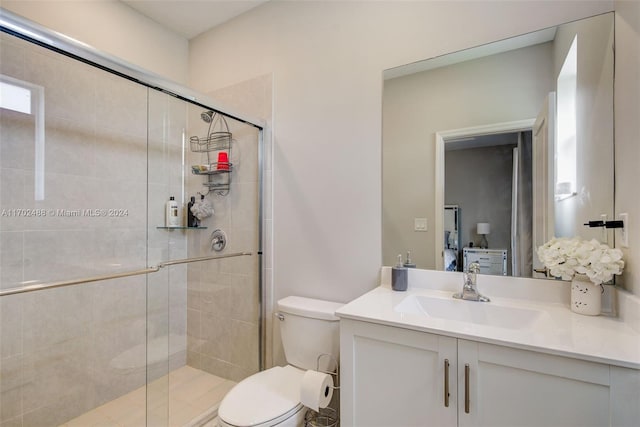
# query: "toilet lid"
263,397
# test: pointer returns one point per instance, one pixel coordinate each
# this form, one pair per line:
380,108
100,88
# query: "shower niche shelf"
216,147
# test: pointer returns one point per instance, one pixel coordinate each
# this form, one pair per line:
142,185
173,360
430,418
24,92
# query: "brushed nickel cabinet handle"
466,388
446,383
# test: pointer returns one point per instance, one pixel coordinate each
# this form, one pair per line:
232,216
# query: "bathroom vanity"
421,358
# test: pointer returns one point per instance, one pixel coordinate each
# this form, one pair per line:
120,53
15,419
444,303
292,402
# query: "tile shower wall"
222,298
67,350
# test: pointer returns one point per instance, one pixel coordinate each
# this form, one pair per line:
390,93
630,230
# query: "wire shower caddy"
218,140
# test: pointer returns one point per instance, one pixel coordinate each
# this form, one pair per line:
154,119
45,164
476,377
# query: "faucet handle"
474,267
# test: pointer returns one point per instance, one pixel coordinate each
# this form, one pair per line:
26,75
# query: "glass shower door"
144,331
167,289
73,191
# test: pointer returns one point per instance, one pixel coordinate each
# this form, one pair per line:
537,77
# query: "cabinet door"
395,377
625,397
509,387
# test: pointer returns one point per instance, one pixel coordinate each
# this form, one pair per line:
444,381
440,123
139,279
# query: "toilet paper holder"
336,374
324,416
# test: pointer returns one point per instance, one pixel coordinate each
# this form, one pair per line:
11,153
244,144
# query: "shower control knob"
218,240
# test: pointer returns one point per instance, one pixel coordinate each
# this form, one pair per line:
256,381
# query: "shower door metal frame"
22,28
27,30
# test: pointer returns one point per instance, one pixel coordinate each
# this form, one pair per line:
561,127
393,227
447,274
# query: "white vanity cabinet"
511,387
397,377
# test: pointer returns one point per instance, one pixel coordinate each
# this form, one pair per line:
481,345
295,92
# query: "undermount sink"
482,313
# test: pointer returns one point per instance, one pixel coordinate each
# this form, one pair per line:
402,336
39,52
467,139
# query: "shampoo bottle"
172,217
399,276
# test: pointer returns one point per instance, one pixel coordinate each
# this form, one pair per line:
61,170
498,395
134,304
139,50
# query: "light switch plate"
420,224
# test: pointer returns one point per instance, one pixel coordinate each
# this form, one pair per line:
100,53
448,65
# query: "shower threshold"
192,400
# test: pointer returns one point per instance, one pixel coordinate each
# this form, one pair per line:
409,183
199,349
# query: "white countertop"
556,331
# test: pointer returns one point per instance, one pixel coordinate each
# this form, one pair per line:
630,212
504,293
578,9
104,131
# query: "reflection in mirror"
497,205
451,238
476,129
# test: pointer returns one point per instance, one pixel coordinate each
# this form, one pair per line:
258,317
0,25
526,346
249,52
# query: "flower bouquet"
587,263
565,257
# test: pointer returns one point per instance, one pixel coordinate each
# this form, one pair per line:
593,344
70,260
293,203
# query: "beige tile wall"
222,299
255,97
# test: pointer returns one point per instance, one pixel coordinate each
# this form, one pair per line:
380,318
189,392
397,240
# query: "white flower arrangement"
565,257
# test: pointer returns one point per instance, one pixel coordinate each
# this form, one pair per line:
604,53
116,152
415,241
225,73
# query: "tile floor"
191,394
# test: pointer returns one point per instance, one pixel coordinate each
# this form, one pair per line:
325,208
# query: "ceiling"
191,17
511,43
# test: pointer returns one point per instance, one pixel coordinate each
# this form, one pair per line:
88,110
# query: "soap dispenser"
408,263
399,275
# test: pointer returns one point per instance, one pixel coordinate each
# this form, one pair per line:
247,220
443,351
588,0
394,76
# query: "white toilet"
272,398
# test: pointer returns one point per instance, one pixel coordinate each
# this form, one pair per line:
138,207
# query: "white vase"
586,296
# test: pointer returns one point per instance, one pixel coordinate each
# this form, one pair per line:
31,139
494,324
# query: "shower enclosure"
108,316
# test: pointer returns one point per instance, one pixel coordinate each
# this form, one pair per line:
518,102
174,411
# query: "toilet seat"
263,399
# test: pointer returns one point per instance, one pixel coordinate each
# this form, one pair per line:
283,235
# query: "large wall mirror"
515,137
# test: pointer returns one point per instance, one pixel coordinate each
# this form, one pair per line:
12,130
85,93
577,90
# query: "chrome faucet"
469,288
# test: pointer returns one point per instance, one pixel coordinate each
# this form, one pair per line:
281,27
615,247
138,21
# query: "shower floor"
194,396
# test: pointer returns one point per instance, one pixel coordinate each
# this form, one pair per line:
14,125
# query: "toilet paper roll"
316,390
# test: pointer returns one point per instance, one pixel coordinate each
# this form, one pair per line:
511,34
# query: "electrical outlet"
420,224
624,231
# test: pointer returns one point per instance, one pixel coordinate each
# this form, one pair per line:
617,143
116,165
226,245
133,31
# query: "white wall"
112,27
627,129
327,60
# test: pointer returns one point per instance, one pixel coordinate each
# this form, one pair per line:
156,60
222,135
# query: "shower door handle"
153,269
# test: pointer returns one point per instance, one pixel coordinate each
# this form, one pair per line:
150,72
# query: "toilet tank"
308,328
